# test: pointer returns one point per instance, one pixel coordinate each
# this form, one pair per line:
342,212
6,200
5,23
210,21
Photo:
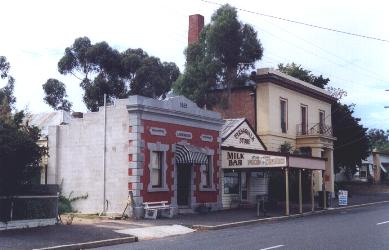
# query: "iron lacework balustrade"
312,129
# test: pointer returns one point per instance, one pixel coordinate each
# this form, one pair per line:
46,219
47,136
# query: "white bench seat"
151,209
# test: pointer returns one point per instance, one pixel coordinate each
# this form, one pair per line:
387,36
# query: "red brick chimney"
196,24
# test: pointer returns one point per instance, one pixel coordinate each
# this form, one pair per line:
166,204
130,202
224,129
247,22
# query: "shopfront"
245,174
246,165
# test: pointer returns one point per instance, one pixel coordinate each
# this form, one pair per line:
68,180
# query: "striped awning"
189,154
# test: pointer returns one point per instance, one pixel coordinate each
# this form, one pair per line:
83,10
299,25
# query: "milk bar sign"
232,159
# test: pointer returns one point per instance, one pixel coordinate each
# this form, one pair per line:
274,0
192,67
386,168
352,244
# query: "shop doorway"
183,184
243,186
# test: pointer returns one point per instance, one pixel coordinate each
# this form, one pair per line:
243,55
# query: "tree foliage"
305,75
55,94
19,153
102,69
352,143
226,51
7,99
379,139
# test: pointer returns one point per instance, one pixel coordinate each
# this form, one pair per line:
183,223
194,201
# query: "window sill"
158,189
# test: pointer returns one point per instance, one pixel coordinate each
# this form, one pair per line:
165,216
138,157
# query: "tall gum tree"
226,51
19,153
103,70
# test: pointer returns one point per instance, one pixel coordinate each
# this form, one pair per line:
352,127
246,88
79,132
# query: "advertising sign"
343,197
232,159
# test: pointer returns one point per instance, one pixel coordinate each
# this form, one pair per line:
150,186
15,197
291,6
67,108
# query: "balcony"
314,129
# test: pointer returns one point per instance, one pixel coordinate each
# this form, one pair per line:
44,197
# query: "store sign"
157,131
184,135
233,159
243,137
207,138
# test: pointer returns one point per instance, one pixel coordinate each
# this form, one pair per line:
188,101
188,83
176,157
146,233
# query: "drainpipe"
104,153
255,108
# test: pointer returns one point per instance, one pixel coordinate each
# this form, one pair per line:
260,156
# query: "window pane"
321,122
283,115
207,173
231,183
156,169
303,120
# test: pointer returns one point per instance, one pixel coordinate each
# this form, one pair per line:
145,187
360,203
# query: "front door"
183,184
243,186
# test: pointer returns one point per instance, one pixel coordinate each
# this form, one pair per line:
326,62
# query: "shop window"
284,115
156,169
231,183
207,173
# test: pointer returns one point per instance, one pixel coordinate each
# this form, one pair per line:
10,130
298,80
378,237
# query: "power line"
371,73
305,24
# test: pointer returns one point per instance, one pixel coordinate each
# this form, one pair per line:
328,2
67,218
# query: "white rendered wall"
268,110
76,158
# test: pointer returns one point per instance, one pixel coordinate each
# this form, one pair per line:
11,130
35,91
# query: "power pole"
387,107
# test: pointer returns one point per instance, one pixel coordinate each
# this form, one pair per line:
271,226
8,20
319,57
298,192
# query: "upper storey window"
284,115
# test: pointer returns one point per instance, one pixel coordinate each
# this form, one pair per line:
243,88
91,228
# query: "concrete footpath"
92,232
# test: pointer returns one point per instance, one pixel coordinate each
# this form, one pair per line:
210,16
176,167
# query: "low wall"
32,206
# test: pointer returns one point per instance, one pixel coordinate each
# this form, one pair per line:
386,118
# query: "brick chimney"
196,24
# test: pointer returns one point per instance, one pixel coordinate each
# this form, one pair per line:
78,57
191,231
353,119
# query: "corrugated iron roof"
44,120
230,125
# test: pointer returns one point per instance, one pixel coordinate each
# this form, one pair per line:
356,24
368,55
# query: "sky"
34,35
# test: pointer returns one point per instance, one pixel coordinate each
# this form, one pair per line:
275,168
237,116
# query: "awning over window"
189,154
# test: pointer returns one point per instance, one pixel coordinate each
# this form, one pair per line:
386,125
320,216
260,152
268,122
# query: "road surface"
360,228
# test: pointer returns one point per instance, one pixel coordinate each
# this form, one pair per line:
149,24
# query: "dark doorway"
183,184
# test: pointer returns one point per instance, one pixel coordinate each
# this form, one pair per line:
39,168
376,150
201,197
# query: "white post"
300,193
286,192
104,152
312,193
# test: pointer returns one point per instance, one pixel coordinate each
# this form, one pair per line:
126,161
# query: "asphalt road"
360,228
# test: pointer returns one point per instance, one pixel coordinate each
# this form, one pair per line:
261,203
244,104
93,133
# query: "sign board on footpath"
343,197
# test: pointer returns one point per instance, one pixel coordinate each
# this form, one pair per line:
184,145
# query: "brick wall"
171,139
242,106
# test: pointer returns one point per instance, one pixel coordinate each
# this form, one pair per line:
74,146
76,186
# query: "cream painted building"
285,109
290,110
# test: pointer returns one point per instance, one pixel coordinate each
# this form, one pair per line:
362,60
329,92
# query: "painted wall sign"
208,138
243,137
248,139
184,134
233,159
157,131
